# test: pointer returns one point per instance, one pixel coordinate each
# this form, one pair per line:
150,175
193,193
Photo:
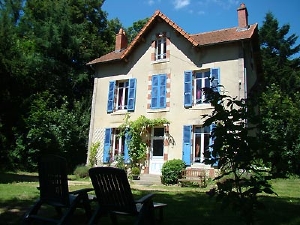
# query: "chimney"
121,40
242,16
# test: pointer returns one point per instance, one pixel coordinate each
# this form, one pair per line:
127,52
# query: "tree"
279,102
132,31
44,51
238,154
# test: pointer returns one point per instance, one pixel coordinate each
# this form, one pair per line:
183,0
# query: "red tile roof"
201,39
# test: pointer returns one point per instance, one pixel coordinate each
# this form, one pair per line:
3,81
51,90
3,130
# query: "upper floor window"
161,47
121,95
195,82
158,91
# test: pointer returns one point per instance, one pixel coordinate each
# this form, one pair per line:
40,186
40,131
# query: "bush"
135,171
82,171
171,171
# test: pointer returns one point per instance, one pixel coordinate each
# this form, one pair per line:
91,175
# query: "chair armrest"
80,191
145,198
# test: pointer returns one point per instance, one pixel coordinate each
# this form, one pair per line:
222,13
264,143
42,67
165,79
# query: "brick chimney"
121,40
243,16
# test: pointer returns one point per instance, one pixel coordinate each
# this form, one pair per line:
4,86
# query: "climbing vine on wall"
136,131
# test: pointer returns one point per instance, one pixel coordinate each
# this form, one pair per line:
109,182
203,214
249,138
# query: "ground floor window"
118,144
200,143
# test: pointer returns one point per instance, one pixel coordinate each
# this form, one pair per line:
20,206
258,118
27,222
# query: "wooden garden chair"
114,197
54,192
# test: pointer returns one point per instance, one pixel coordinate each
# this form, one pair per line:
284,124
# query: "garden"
186,205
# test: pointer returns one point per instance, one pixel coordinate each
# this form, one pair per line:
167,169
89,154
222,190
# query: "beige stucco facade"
237,75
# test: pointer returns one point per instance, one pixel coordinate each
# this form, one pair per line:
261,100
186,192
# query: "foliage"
136,132
131,32
135,171
45,46
93,154
280,131
120,162
81,171
171,171
279,103
238,154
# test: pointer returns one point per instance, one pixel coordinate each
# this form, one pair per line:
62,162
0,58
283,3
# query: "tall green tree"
11,64
136,27
47,85
280,103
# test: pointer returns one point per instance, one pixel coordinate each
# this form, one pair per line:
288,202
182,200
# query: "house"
160,74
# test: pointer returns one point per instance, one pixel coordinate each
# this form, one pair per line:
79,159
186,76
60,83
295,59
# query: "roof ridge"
223,29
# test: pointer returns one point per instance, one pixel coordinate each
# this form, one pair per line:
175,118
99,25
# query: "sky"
196,16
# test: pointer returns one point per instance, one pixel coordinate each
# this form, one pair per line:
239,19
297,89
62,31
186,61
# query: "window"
158,91
200,143
195,81
158,142
161,47
196,141
121,95
200,81
114,146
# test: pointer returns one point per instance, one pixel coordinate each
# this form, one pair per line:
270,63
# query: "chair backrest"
112,190
53,181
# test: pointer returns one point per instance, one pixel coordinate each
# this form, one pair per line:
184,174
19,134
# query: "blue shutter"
131,94
154,91
126,150
159,91
186,148
187,88
215,75
106,149
111,96
162,91
211,142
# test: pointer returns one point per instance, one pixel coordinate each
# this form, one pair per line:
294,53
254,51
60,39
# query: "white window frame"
201,79
202,134
122,94
161,47
118,144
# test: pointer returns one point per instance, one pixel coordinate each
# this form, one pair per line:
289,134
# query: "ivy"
137,132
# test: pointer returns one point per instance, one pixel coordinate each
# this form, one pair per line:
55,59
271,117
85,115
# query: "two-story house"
160,74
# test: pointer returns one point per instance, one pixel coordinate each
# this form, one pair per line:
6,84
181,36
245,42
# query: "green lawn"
185,205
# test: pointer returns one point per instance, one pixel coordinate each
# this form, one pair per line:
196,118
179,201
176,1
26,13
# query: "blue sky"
196,16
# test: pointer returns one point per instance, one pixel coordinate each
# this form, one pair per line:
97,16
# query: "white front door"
157,151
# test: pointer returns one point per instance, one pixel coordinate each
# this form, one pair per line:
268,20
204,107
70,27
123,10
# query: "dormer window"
161,47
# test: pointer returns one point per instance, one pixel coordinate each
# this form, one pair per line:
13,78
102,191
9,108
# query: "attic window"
160,46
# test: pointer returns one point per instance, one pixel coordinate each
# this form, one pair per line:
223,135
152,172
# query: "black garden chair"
54,192
114,197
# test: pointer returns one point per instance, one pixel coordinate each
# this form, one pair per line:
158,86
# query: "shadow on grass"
6,178
183,208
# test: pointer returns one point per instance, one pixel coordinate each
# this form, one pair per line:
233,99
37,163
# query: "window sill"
158,110
201,106
160,61
120,112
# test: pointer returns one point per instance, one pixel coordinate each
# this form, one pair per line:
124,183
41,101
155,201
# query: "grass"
185,205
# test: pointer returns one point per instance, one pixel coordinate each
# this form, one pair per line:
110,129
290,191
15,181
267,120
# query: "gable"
196,40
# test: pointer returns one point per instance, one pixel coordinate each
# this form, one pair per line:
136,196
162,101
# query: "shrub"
81,171
135,171
171,171
93,154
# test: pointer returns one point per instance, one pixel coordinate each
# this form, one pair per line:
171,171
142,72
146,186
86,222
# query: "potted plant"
135,173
